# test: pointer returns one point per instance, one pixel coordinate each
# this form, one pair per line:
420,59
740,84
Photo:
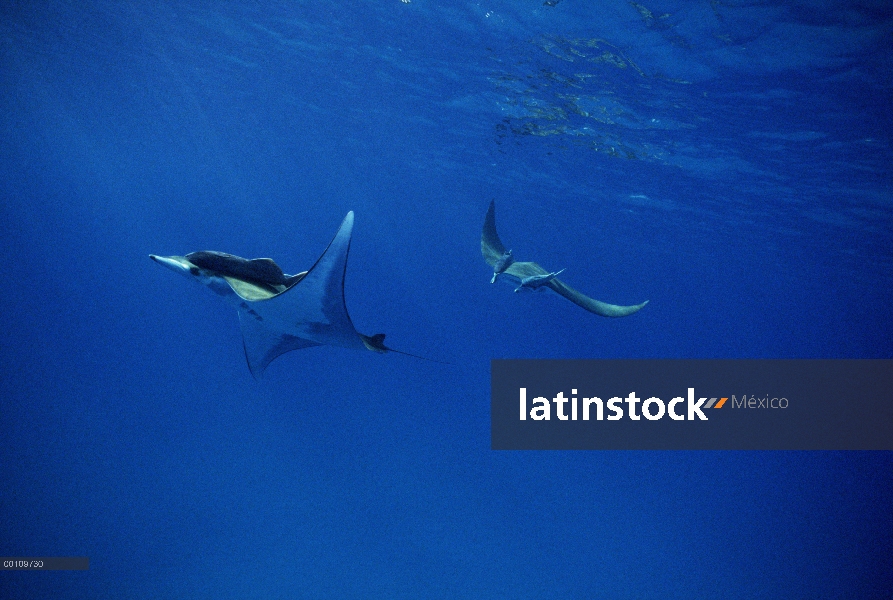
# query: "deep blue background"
731,163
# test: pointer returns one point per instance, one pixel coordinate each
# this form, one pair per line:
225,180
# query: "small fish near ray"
531,276
279,313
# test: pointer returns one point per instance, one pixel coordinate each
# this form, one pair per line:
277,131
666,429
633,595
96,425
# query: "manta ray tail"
376,344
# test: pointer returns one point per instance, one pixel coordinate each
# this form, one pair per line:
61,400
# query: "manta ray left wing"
493,249
263,345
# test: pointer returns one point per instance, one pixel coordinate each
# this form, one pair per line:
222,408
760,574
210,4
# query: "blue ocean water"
728,161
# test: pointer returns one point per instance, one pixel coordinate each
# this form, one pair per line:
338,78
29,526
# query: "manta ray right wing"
311,312
493,249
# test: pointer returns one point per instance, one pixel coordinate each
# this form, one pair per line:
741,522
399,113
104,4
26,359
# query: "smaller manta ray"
531,276
279,313
537,282
502,263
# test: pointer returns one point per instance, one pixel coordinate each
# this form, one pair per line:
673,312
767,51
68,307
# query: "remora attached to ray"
518,272
279,313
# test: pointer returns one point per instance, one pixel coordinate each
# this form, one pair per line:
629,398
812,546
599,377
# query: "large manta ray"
529,275
278,312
